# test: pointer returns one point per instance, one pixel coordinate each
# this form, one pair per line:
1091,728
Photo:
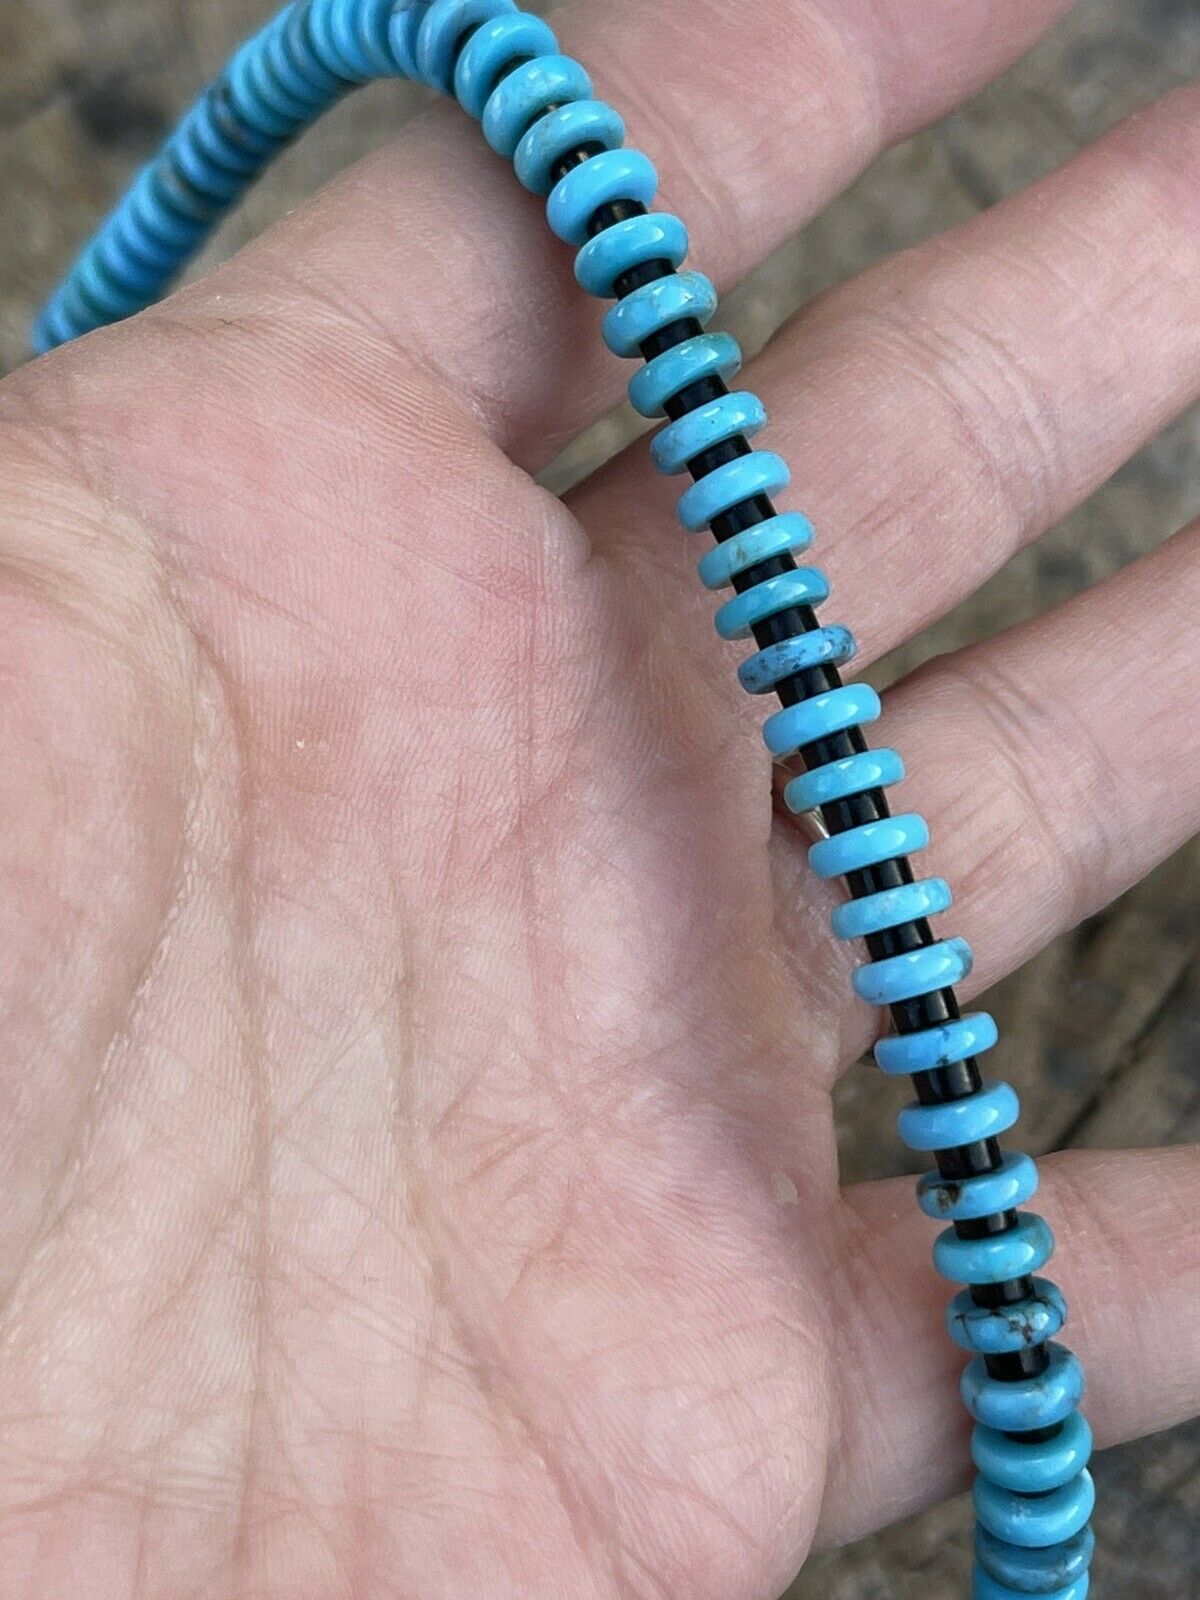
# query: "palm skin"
422,1177
424,1187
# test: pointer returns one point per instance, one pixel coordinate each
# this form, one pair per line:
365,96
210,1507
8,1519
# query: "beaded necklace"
1033,1495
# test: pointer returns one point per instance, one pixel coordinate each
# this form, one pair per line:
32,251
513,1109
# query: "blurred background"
1104,1028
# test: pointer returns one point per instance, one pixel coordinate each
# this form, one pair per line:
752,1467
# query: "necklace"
1033,1495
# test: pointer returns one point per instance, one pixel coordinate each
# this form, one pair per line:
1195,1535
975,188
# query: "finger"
950,406
1057,764
903,1434
431,244
1060,762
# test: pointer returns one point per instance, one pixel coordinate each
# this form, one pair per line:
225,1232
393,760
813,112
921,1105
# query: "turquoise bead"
194,161
656,236
806,586
794,727
760,472
1033,1466
837,780
557,134
704,355
991,1111
403,27
1031,1571
351,39
1003,1330
868,845
985,1587
786,531
820,647
492,49
442,28
720,420
114,298
526,94
898,978
655,305
612,175
999,1257
1035,1521
875,913
937,1047
1022,1404
967,1199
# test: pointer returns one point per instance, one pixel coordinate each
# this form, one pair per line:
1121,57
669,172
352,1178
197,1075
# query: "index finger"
430,245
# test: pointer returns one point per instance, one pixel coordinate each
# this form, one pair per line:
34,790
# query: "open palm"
419,1031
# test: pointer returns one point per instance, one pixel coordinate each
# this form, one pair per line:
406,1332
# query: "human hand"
420,1165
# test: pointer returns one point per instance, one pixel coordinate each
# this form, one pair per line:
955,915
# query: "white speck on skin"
784,1190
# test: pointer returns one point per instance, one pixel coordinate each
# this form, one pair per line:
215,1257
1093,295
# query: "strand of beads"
1033,1495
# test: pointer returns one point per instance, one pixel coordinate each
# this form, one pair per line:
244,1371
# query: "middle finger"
946,408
